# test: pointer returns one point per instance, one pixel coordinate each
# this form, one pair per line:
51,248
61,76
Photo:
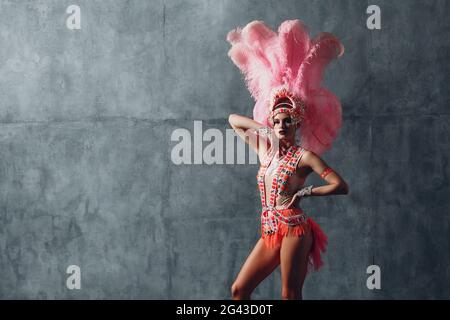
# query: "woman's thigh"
294,259
259,264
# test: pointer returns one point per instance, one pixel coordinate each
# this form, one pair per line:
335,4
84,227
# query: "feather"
270,60
324,48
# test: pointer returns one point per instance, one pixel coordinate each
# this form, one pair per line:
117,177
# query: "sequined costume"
278,220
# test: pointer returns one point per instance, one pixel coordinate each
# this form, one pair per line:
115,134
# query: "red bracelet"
325,172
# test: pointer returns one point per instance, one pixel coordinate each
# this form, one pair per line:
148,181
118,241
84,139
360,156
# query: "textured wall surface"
86,176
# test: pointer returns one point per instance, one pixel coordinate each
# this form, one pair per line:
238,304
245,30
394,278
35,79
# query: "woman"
283,72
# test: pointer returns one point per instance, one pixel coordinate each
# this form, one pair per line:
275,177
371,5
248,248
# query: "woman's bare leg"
259,264
294,262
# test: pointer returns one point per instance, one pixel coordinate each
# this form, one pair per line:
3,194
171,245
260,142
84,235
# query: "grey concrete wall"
86,178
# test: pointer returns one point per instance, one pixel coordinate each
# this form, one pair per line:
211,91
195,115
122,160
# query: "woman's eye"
288,120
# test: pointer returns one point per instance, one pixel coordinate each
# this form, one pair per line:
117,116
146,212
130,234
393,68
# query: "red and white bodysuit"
277,220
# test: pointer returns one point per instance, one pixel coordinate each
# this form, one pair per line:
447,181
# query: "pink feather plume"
290,58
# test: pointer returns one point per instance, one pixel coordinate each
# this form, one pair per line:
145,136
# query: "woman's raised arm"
241,122
247,128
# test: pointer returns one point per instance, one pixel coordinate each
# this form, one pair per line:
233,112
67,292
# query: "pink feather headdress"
290,65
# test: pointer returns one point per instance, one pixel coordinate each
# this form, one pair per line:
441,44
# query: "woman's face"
283,126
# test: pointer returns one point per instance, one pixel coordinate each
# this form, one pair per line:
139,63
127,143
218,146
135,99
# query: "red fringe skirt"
320,240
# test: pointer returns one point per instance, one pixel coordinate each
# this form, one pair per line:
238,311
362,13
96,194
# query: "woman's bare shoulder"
264,135
308,156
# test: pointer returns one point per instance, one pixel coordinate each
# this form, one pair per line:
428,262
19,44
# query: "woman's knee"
239,292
